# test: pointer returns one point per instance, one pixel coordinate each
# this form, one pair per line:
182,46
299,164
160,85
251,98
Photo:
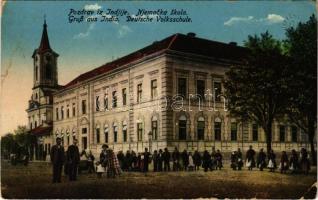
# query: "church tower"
45,83
45,63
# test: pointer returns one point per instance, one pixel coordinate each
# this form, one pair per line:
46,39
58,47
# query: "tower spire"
45,44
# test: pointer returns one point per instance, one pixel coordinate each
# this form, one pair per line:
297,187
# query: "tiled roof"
177,42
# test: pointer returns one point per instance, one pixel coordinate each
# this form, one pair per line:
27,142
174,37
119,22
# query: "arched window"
97,134
74,134
106,133
97,103
182,127
62,112
57,134
200,128
114,94
67,111
106,101
62,137
124,131
68,137
115,128
217,129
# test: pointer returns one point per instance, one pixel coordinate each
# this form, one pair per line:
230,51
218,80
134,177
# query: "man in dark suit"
57,159
73,158
166,160
146,160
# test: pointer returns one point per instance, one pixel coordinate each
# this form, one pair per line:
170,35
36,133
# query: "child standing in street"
99,169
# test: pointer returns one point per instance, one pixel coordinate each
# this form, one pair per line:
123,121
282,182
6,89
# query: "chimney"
191,34
233,43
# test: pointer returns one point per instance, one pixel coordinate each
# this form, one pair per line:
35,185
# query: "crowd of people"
113,164
186,161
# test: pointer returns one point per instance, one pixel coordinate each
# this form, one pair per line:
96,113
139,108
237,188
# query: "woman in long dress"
191,163
271,161
113,167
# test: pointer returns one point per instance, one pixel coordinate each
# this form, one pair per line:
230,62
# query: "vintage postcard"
158,99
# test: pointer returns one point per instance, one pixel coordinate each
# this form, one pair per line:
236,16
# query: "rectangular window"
233,131
83,107
217,91
294,133
154,129
114,94
182,87
154,93
217,131
139,130
62,112
255,132
139,93
73,110
200,88
282,133
97,135
84,130
57,113
124,91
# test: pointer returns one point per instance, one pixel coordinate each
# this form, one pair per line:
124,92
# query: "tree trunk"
268,133
311,135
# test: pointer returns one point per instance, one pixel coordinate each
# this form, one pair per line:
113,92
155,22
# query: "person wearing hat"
73,158
57,159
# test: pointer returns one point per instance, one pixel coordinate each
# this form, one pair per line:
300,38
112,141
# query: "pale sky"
84,46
